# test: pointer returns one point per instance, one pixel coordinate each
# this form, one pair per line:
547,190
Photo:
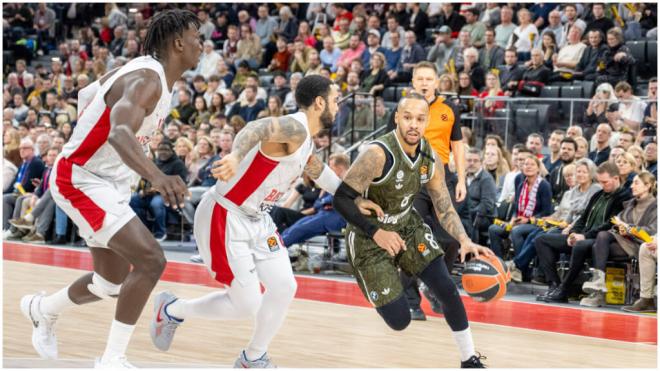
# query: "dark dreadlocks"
164,26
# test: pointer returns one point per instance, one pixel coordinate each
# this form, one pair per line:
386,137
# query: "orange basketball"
485,278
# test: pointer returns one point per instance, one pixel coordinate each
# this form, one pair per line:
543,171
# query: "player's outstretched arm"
271,129
137,101
367,167
447,215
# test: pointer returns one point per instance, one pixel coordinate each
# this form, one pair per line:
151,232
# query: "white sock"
29,217
120,335
464,342
57,302
277,277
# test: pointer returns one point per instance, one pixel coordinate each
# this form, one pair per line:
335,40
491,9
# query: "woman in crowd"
274,108
66,129
183,148
496,165
579,178
203,151
465,88
627,165
201,113
494,140
217,104
305,35
373,80
639,212
448,85
492,90
35,102
638,154
524,35
549,47
597,108
11,141
582,148
533,198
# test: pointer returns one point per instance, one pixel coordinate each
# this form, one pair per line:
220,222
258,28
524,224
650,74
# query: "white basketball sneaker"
114,362
44,340
163,326
263,362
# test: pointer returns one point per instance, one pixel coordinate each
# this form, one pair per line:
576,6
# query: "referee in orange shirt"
444,134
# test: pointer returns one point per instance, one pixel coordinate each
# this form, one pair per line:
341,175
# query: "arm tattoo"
444,209
271,129
367,167
314,167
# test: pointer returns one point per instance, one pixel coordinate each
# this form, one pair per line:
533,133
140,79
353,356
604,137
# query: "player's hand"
172,188
368,207
389,241
225,168
471,247
461,191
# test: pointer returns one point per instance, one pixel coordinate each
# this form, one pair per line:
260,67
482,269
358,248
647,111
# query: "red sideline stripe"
256,173
219,262
573,320
92,213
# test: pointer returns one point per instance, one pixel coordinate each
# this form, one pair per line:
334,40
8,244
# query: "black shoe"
559,295
59,240
417,314
542,297
474,362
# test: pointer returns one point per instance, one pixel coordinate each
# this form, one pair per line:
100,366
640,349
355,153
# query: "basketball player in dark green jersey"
390,172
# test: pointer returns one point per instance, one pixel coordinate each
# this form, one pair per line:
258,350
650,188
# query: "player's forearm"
131,153
450,221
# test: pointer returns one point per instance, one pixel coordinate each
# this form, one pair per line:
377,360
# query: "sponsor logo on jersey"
373,295
421,247
398,183
272,243
424,172
393,219
385,292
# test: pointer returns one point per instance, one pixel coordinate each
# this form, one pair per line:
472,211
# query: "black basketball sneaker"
474,362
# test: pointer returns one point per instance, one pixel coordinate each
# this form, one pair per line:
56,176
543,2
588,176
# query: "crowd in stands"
532,202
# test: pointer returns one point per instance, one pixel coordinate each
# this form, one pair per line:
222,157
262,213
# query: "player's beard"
405,137
327,119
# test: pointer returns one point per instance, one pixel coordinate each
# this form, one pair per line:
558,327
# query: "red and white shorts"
230,242
100,208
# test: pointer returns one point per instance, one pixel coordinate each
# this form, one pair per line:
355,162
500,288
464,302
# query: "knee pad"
396,313
103,288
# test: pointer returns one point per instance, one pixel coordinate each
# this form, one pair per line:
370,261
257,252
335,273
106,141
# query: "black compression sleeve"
344,204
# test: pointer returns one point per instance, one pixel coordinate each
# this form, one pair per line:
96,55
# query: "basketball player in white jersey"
235,235
91,182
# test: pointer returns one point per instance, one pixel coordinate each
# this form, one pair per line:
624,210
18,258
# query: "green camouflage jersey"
377,273
395,190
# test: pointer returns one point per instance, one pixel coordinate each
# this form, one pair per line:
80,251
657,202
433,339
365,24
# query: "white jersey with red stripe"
261,180
89,147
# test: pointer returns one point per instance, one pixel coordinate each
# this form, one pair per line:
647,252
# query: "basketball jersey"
89,147
260,180
395,190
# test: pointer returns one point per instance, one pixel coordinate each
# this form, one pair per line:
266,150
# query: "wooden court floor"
315,335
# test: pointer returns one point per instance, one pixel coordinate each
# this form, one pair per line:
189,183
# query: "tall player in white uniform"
235,235
91,183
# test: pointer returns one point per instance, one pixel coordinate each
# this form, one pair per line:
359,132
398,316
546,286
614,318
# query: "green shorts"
377,272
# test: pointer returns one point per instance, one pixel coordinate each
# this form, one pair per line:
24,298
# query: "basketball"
485,278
